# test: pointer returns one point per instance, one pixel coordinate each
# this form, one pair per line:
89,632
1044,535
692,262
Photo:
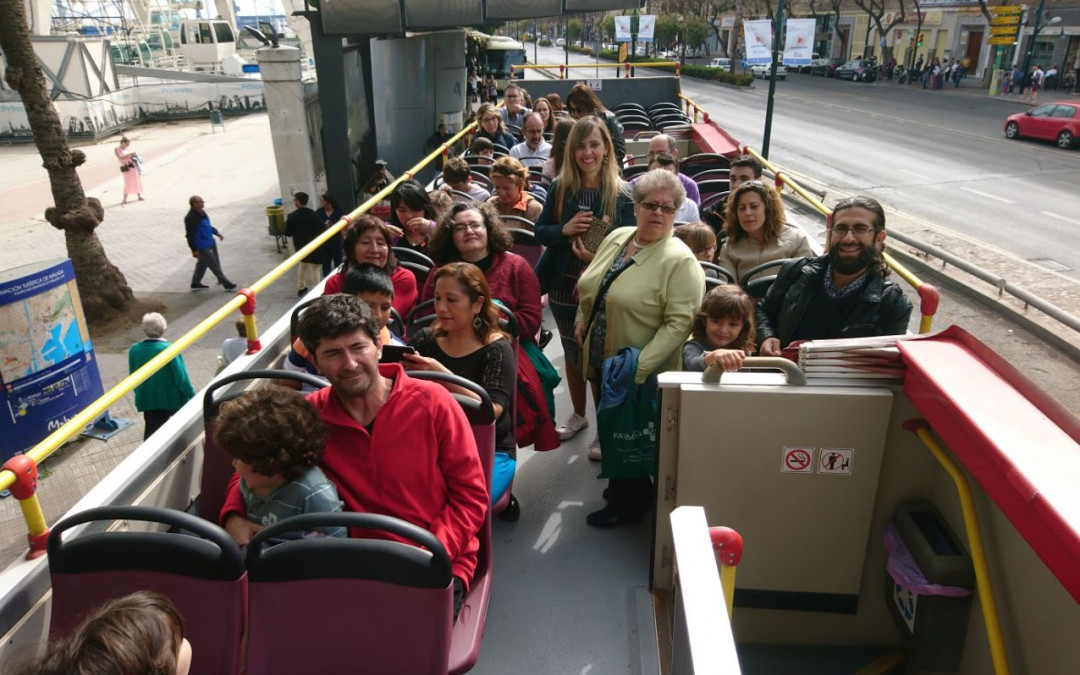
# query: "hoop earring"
477,322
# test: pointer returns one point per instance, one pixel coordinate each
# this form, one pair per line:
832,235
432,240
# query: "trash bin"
275,220
928,585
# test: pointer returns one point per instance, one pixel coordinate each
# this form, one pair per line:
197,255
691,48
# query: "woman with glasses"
754,224
642,290
510,179
490,126
584,202
582,102
473,233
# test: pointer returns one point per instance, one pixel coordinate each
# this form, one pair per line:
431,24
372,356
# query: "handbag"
627,433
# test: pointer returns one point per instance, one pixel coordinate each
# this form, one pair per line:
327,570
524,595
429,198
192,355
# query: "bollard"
25,490
250,327
728,545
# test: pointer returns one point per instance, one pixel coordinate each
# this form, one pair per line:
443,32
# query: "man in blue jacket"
200,238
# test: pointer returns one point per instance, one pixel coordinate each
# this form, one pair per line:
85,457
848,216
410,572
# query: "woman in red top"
473,233
368,241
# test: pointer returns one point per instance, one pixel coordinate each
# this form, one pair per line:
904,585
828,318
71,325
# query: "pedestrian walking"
1036,84
166,391
330,214
130,169
200,238
304,226
1016,81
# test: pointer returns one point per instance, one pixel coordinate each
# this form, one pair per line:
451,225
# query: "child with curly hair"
723,331
276,440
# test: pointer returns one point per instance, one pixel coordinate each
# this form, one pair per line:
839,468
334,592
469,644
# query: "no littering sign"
797,460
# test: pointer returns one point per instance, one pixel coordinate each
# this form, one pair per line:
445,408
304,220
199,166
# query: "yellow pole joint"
25,490
728,545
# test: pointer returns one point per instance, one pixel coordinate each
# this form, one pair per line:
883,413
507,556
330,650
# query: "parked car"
826,67
560,42
721,62
858,70
763,71
1058,122
806,69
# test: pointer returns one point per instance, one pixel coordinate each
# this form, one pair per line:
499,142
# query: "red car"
1059,122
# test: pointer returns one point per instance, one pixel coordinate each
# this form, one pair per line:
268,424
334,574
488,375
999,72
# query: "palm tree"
102,286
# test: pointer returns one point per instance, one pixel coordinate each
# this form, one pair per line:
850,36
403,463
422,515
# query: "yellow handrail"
31,508
928,294
983,583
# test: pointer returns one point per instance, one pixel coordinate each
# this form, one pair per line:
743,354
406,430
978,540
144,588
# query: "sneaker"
198,287
571,426
594,449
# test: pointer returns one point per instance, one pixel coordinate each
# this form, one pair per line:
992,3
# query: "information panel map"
38,333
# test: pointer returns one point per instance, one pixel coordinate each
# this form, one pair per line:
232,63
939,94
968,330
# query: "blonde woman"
585,202
510,179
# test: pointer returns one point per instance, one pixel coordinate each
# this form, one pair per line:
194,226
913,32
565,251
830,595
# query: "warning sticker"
836,461
797,460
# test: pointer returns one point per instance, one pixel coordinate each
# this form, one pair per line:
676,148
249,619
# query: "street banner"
798,47
758,38
646,27
622,29
48,370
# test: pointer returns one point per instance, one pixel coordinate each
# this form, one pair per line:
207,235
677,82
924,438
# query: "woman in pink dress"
129,169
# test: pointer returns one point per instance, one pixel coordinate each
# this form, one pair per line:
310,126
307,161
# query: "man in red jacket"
395,445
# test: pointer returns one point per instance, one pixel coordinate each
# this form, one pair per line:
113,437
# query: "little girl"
701,240
723,331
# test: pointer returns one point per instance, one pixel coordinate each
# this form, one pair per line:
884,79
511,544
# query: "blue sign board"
48,371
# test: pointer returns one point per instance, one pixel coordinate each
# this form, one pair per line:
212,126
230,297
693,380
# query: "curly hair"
274,429
356,230
878,265
138,633
775,218
475,286
441,246
723,302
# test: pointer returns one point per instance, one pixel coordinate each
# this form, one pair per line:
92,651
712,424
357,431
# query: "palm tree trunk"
102,286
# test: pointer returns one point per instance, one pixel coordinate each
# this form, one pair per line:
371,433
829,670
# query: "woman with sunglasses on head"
585,202
582,102
642,291
756,234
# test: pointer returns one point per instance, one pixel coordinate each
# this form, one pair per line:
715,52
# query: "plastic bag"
627,434
903,569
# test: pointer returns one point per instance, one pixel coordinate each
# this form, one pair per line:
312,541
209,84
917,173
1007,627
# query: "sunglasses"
653,206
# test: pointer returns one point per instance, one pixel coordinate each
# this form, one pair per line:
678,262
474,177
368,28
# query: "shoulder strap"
602,293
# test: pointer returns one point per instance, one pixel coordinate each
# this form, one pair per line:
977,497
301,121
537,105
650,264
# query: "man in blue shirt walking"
200,238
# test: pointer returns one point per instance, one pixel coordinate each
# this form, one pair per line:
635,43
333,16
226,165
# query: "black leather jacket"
880,308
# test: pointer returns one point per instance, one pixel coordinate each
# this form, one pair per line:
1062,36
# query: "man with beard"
395,445
842,294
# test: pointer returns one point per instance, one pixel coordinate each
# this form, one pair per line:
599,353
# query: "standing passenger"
582,101
330,214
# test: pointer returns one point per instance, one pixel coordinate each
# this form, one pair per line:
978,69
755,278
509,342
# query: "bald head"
662,143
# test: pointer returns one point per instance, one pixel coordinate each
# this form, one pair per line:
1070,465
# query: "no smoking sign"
797,460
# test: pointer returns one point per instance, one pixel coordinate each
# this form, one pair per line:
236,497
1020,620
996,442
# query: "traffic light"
920,40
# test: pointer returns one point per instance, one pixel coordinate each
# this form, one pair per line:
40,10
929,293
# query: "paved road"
937,156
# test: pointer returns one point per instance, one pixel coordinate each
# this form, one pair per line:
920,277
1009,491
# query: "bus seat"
469,629
378,605
725,277
526,244
633,170
757,286
419,270
201,571
407,254
703,160
217,466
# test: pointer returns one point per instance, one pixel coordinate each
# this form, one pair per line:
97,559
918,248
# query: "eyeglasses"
461,228
653,206
860,230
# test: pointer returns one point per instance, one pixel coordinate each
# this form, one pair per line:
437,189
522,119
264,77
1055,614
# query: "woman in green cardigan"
650,304
167,390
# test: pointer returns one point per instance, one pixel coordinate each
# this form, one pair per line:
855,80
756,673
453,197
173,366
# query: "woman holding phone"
585,202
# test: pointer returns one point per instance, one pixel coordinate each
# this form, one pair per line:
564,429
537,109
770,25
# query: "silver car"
763,70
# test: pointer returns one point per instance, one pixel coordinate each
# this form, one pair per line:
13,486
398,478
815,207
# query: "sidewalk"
235,173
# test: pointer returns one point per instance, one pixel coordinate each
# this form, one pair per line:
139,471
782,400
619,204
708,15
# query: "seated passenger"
490,126
441,202
412,212
483,148
665,144
701,240
511,180
514,111
743,169
138,633
466,340
844,293
457,176
534,150
368,241
756,233
723,331
395,445
553,166
688,212
473,233
276,441
232,348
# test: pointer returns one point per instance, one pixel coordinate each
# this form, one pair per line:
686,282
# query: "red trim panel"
1019,444
708,137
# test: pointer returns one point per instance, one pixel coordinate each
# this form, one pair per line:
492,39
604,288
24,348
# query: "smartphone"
394,353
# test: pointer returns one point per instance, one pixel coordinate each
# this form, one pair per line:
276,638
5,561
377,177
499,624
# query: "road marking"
912,173
1054,215
987,195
